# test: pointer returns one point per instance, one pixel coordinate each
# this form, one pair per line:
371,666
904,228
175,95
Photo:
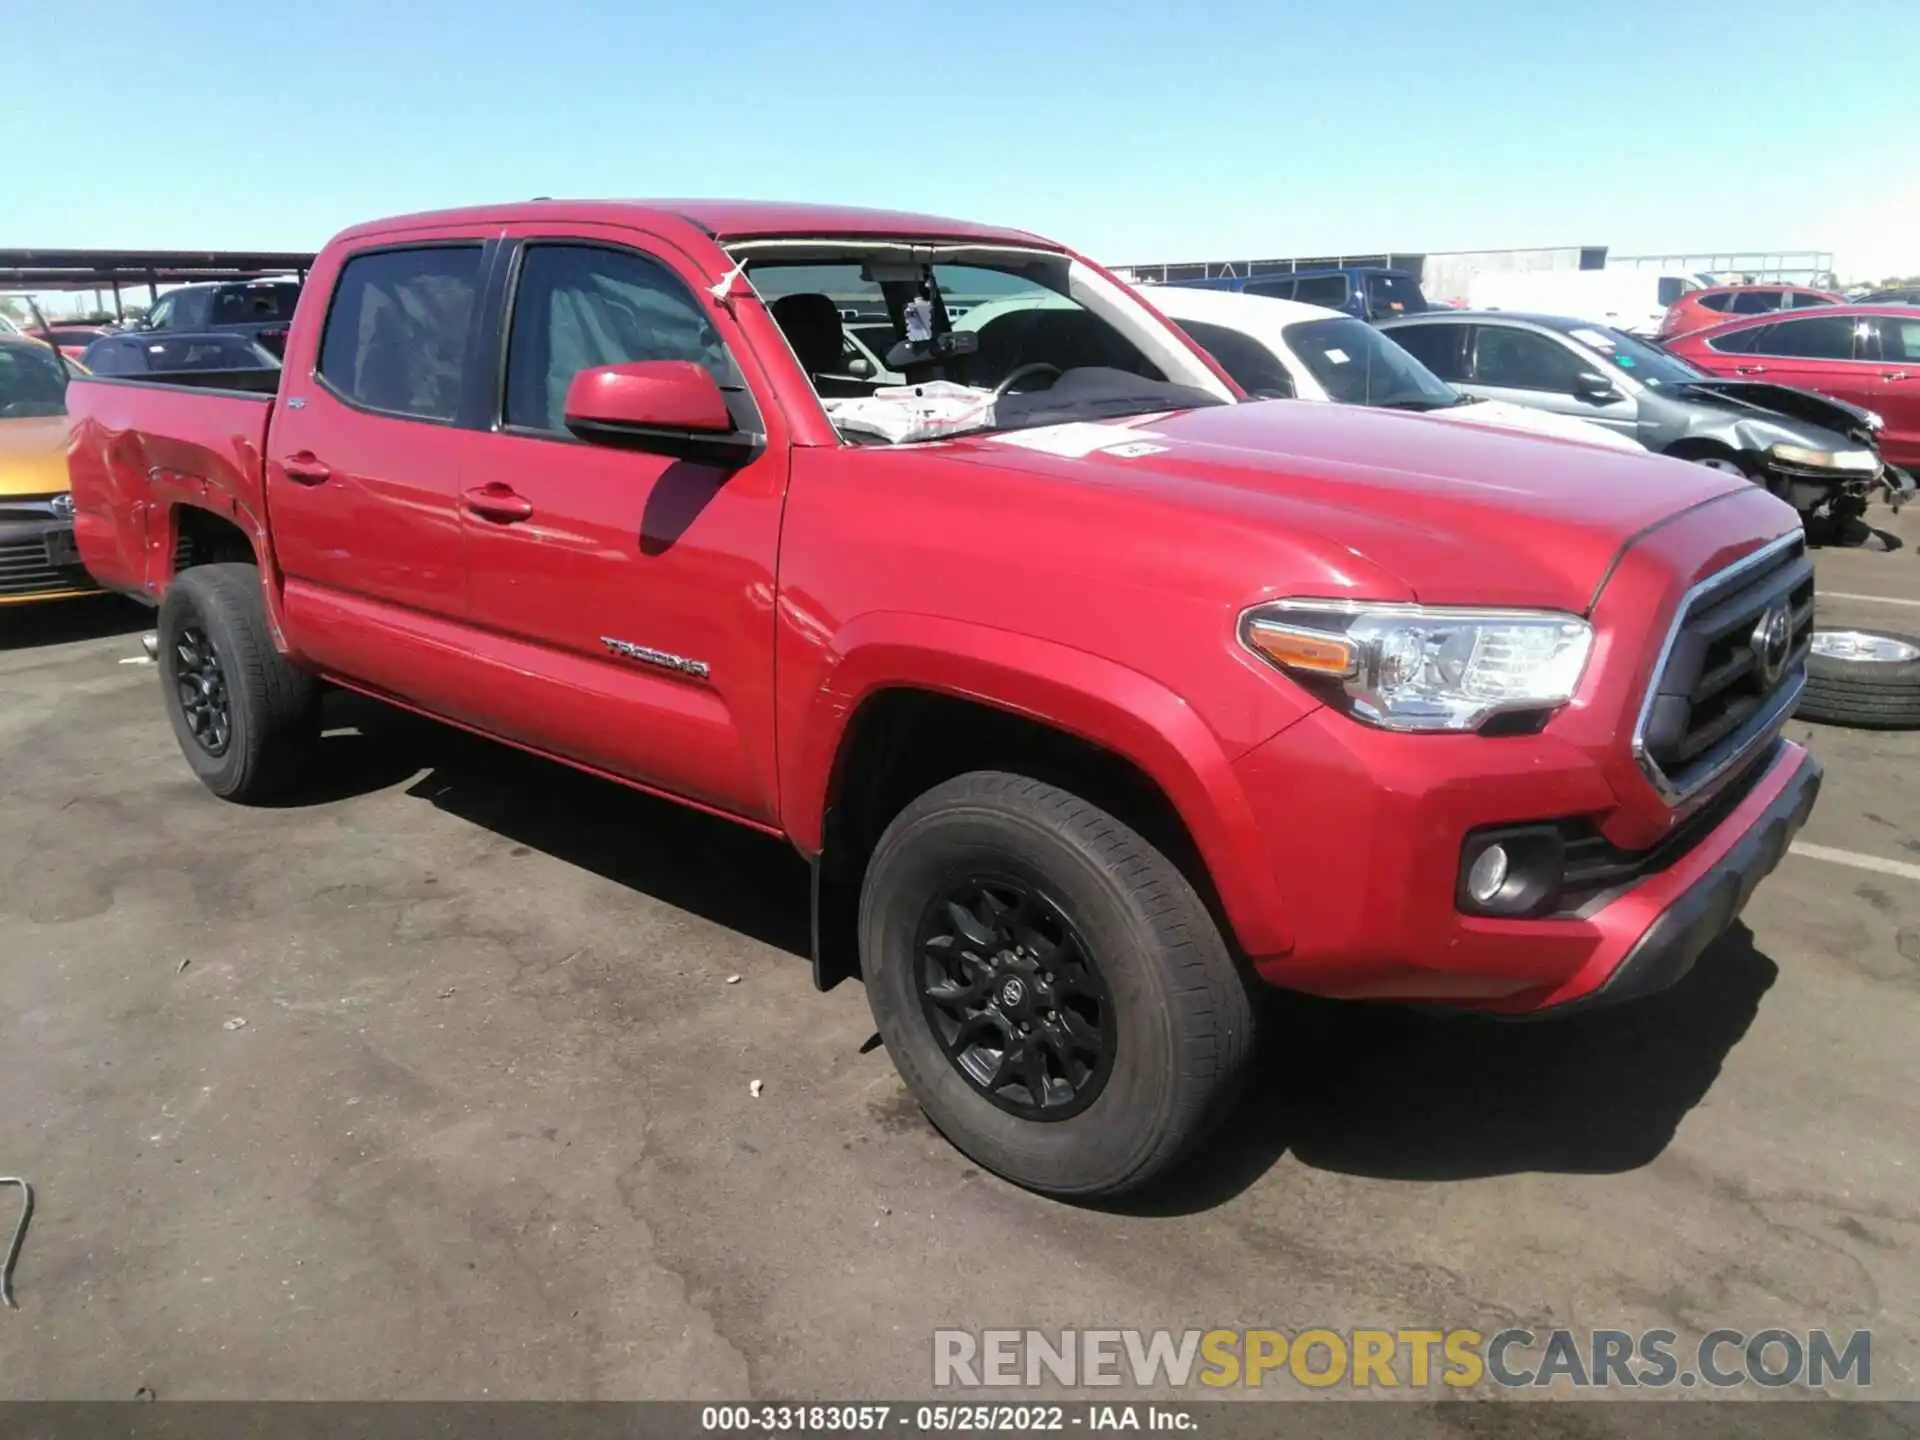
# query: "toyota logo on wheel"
1012,992
1772,643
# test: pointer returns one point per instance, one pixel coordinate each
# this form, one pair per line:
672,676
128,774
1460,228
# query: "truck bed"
138,449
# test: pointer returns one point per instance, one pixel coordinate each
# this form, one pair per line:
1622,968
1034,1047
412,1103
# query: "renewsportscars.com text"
1366,1359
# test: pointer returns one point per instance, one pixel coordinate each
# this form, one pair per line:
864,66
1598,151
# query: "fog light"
1488,874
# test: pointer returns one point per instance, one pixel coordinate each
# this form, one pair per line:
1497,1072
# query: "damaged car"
1819,454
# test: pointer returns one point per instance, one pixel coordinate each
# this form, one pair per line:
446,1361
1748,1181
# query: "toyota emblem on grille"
1772,643
62,507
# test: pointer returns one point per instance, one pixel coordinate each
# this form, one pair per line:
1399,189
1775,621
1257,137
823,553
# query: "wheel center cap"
1013,994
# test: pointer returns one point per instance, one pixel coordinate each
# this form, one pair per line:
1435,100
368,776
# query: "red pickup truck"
1093,693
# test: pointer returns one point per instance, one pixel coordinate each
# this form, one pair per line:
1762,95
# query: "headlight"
1410,667
1825,459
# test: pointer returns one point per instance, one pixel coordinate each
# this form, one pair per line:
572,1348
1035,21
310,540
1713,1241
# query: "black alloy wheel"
1011,993
202,686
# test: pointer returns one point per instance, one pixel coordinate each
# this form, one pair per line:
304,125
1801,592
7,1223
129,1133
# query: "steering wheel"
1020,372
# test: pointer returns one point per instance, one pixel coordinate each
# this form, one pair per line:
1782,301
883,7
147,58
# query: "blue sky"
1133,131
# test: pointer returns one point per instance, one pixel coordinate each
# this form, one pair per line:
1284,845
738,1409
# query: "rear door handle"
498,503
1897,375
1749,369
304,468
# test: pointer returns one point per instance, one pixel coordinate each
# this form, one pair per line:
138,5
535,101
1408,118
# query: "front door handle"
1897,375
304,468
498,503
1749,369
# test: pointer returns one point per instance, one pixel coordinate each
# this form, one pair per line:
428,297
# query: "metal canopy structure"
110,269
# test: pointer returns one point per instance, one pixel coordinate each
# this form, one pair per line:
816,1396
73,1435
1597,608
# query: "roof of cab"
720,219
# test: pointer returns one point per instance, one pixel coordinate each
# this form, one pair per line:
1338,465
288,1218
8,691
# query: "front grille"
1712,701
24,570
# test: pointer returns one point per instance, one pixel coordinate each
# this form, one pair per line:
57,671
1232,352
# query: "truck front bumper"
1365,850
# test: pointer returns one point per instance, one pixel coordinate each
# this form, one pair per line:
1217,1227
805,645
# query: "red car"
1091,693
1868,355
1703,309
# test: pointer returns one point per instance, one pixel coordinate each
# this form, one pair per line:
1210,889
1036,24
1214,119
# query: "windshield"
970,339
1652,367
1357,365
32,382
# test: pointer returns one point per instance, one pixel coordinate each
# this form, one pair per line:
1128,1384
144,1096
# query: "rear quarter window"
398,328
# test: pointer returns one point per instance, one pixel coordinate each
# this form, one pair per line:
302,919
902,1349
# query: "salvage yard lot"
435,1085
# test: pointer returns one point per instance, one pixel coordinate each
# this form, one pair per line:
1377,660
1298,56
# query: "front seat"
812,326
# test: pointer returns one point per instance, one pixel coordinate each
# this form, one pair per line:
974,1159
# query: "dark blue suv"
1366,292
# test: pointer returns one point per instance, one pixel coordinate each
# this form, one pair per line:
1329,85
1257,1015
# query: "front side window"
1804,300
1256,369
1900,340
33,382
161,315
396,335
1818,337
1524,360
1394,295
580,306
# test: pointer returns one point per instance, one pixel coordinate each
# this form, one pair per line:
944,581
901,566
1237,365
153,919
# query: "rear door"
1544,371
1827,353
638,589
365,457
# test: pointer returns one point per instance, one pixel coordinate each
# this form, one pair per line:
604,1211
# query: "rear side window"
1803,300
578,306
1740,342
1272,289
1716,302
255,304
1818,337
1756,302
1328,290
397,331
1256,369
1440,348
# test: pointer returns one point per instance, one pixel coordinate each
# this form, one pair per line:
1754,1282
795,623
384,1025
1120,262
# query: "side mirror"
1595,389
860,368
667,407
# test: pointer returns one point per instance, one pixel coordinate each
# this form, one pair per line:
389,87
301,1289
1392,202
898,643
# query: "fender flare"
1086,695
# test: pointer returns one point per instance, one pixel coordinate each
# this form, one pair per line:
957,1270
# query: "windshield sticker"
1594,338
1625,362
1338,357
1074,439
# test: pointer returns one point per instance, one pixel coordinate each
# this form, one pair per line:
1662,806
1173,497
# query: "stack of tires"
1869,679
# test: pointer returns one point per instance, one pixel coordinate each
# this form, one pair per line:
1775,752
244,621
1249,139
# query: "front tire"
245,718
996,902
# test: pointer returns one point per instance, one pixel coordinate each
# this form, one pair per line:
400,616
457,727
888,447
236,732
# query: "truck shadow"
1387,1091
1405,1094
709,867
62,622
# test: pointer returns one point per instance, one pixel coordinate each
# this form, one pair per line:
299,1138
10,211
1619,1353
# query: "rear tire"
245,718
1868,694
1173,1011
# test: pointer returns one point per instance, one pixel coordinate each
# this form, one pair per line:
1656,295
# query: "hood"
1815,419
1504,416
33,456
1456,514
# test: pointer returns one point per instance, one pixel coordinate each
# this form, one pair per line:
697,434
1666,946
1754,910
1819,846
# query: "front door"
1897,368
639,588
1530,367
365,452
